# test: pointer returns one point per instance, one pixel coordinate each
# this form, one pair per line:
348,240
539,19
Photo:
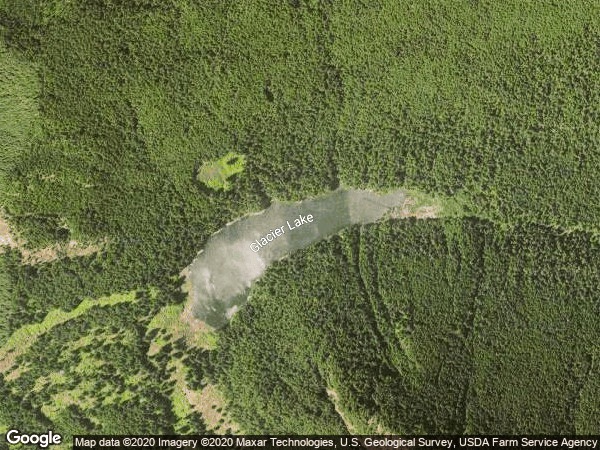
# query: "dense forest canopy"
448,326
112,113
461,98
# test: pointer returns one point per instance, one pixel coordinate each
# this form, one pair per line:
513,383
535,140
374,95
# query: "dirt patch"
426,212
6,237
16,373
154,348
72,249
7,361
335,399
379,429
410,208
197,333
193,324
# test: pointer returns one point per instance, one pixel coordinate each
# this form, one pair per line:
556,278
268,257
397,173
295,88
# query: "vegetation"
148,125
19,115
450,326
215,173
25,336
89,371
491,100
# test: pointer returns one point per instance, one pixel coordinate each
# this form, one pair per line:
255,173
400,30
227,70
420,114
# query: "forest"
142,127
420,326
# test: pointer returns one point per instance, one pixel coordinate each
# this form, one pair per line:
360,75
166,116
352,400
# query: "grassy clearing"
426,206
64,399
111,396
211,404
25,336
84,394
83,341
215,174
88,365
182,407
166,318
176,321
52,379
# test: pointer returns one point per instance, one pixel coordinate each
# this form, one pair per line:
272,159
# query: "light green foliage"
214,174
422,204
171,325
166,318
25,336
104,381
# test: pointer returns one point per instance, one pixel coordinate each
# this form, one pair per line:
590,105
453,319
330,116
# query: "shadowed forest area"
144,126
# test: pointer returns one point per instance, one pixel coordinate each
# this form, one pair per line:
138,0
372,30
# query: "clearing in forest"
71,249
215,174
25,336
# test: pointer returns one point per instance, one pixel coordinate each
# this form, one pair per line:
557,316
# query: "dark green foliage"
95,392
19,125
110,107
152,82
494,100
201,367
423,327
18,410
34,290
8,302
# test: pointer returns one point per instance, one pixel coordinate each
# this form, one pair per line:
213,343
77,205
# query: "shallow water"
240,252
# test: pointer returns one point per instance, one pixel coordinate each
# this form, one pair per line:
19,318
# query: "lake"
237,255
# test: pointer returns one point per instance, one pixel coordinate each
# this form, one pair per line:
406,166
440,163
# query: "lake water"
239,253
